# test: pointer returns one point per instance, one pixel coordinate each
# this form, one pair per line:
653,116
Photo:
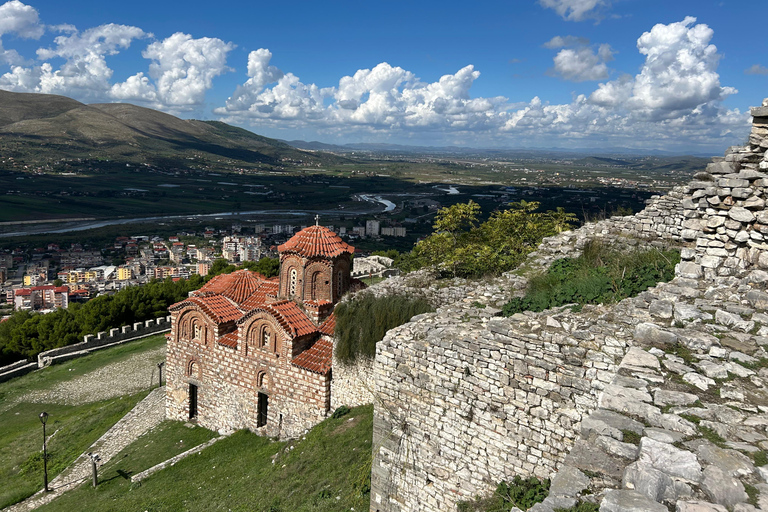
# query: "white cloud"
679,73
565,42
756,69
84,73
21,20
675,98
576,10
582,64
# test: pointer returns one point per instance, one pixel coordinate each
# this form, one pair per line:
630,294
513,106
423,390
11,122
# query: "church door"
192,401
261,418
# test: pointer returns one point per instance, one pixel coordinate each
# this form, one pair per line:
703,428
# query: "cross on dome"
317,219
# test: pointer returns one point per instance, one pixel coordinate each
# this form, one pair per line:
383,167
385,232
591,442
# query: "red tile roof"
317,358
329,326
238,285
316,241
259,296
292,318
229,340
217,307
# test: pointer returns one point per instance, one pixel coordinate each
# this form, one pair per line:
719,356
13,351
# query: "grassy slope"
75,427
327,470
237,473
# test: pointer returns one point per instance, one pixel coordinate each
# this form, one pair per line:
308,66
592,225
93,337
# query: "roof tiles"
292,318
317,358
217,307
229,340
329,326
316,241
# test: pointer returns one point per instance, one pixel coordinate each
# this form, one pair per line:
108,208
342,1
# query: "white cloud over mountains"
676,94
180,72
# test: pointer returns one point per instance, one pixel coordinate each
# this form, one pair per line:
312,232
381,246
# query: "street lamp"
43,420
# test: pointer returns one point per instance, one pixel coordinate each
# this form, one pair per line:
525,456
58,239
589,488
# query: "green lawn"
327,470
73,428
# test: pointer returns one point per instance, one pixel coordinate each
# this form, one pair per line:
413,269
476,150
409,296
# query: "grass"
600,275
71,429
327,470
52,375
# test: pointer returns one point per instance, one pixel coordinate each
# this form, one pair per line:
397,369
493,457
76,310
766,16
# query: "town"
50,277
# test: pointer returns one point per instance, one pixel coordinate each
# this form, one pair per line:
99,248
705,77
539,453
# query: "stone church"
249,352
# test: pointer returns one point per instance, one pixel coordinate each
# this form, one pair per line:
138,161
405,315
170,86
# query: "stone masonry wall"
465,399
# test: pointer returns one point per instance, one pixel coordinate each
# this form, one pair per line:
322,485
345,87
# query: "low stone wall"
103,339
90,343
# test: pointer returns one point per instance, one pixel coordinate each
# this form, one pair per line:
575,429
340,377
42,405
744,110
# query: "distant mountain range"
43,128
536,153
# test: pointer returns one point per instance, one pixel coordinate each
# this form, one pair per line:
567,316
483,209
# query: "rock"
722,488
669,459
712,369
629,501
630,401
731,462
699,381
663,436
661,309
662,397
637,358
687,312
648,481
612,446
569,481
698,506
609,423
689,269
652,334
738,213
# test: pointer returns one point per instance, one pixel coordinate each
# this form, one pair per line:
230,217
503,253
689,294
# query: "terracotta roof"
316,241
24,291
317,358
292,318
229,340
329,326
237,285
217,307
259,296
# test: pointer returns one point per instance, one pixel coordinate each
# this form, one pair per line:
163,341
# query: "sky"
678,76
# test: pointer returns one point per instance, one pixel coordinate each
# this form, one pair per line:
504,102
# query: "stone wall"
352,383
90,343
465,400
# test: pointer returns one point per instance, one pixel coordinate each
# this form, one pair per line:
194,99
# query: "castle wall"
464,400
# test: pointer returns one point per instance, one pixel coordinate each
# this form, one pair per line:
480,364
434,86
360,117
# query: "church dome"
316,241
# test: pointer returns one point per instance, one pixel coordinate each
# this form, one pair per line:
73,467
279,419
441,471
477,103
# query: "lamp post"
43,420
160,372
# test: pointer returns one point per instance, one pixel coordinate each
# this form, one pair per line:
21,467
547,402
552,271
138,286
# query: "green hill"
42,129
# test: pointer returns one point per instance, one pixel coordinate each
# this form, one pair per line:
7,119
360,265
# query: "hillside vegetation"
41,129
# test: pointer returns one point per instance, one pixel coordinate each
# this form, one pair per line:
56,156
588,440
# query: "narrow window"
294,277
265,338
339,284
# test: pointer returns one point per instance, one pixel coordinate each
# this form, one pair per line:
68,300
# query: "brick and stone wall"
230,379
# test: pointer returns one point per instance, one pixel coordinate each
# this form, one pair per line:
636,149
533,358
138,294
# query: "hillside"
42,130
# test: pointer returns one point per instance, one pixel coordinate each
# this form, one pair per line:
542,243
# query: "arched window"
339,283
197,329
315,283
265,337
293,280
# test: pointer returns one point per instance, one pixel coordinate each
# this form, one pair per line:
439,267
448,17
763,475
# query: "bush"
521,493
599,275
461,246
363,321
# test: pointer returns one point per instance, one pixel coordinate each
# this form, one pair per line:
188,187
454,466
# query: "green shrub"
599,275
363,321
521,493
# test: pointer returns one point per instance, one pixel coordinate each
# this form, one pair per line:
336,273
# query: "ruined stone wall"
352,383
465,400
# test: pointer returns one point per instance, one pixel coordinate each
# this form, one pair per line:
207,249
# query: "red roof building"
246,351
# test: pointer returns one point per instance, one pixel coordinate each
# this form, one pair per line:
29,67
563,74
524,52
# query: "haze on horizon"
549,73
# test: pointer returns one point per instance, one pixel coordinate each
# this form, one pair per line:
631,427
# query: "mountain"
41,129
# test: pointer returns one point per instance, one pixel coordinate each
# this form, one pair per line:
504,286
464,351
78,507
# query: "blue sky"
640,74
